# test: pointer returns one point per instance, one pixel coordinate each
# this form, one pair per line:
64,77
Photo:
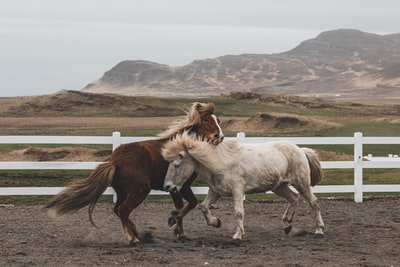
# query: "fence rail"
357,164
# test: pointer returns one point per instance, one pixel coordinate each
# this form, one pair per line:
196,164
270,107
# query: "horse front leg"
239,215
181,209
204,206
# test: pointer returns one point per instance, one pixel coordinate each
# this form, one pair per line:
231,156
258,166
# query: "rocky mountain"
339,63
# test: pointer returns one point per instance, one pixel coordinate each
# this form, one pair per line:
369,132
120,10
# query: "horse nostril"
219,137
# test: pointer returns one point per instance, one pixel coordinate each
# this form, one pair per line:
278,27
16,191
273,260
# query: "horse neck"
216,159
202,170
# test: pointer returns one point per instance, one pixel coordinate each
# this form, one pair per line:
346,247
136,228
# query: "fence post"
241,136
116,143
358,168
116,140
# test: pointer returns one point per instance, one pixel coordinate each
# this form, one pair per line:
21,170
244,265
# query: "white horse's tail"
315,166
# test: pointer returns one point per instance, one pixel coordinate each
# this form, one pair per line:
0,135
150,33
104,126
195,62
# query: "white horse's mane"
192,118
216,158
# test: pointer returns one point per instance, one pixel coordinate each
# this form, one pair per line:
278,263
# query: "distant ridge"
345,62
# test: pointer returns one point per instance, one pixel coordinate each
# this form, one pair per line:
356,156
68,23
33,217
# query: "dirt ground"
357,234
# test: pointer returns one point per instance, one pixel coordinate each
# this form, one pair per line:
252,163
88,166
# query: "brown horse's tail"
315,166
82,192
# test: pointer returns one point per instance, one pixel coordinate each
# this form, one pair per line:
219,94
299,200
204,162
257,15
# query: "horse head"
181,164
201,121
208,123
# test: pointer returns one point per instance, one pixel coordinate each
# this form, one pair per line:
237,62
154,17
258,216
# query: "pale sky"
48,45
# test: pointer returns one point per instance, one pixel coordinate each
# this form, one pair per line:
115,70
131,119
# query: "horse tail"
315,166
81,193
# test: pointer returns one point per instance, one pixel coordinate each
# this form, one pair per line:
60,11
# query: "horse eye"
176,165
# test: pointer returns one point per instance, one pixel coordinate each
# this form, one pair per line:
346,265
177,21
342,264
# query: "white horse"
235,169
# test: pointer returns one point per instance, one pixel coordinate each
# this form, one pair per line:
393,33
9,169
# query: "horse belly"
261,179
258,190
221,184
221,189
260,187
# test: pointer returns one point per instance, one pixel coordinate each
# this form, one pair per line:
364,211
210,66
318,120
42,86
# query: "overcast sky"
48,45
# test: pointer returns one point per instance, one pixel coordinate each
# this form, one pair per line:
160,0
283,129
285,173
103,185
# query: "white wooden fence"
358,164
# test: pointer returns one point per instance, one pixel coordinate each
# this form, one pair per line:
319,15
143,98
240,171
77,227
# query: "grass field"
87,114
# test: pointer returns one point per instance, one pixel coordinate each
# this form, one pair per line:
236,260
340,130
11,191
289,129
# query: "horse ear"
204,109
198,106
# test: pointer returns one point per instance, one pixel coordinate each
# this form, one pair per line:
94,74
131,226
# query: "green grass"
228,107
36,178
52,178
368,128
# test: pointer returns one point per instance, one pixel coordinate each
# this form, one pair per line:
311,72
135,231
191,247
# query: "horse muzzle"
171,188
217,140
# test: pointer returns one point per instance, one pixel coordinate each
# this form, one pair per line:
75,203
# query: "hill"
79,104
346,64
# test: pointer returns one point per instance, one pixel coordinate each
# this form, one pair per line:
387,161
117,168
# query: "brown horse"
134,169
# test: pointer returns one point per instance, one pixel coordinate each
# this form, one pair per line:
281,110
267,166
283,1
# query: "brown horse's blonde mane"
193,118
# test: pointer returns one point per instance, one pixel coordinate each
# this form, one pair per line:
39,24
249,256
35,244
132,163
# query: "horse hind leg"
291,197
127,225
123,211
313,201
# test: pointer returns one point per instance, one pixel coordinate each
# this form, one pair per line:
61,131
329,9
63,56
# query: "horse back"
140,164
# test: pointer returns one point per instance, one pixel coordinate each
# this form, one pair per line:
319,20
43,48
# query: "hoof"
171,221
319,233
179,233
287,229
